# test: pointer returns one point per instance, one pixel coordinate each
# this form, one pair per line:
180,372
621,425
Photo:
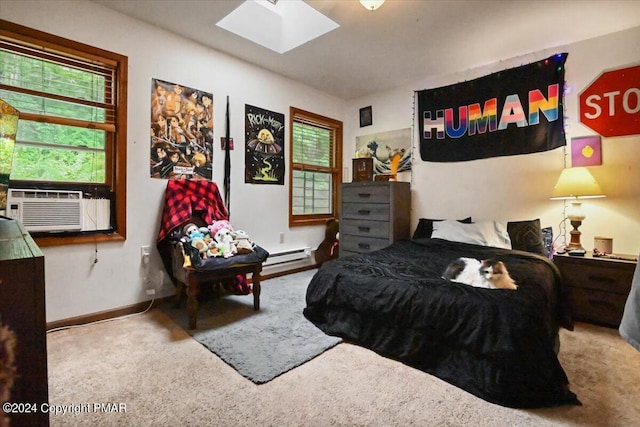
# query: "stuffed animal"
222,244
242,241
330,247
196,237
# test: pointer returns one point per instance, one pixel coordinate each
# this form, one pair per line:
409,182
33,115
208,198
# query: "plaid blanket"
185,199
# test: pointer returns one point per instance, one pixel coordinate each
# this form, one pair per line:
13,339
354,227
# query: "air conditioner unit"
46,210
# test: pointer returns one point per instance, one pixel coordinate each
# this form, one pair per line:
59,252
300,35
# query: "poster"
181,132
383,147
264,146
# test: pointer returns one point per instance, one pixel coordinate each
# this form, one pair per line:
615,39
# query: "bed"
500,345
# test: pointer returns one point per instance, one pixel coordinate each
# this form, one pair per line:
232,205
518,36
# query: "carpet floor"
166,378
263,344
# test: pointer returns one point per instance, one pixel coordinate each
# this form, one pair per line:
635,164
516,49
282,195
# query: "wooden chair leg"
179,291
192,303
255,278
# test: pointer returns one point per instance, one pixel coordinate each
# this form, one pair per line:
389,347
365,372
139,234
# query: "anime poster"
387,149
181,132
264,151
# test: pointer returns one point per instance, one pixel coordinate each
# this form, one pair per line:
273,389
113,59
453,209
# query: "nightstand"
373,215
597,287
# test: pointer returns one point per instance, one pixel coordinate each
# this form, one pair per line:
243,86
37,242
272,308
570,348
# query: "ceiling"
400,43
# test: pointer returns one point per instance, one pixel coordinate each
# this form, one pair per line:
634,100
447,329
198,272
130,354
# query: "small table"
597,287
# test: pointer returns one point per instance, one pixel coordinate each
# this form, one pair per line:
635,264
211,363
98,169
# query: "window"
72,129
316,168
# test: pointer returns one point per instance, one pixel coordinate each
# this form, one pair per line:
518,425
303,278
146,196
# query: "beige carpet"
165,378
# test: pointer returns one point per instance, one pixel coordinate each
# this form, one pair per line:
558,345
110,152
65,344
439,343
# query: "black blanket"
499,345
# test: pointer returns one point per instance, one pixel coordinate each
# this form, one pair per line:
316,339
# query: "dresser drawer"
597,306
369,194
361,244
602,277
361,211
365,228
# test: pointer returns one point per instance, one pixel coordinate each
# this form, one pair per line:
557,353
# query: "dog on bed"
488,273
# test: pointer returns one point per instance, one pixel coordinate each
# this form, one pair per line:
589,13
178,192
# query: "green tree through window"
72,103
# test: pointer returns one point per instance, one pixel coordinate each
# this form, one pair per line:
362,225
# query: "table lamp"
575,184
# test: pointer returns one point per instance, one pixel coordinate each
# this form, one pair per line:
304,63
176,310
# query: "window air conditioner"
46,210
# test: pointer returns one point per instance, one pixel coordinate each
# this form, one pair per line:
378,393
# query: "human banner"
511,112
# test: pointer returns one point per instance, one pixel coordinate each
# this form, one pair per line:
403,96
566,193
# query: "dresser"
597,287
373,215
22,310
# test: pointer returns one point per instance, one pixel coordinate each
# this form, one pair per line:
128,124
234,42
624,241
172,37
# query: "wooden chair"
188,280
199,202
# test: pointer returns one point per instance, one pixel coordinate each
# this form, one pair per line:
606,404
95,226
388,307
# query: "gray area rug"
263,344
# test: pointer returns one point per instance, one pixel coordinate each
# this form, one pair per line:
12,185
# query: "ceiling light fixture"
371,4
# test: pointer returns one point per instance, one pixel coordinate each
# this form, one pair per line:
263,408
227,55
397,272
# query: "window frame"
299,115
115,149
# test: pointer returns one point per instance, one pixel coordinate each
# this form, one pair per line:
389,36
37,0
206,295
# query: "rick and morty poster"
264,146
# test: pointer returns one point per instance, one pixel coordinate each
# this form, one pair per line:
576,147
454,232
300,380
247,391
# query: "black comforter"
499,345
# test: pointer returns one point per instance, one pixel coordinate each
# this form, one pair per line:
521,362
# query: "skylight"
279,27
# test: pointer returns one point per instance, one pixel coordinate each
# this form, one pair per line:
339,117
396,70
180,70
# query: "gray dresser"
373,215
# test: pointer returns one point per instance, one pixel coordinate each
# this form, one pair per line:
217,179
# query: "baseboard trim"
142,306
286,272
107,314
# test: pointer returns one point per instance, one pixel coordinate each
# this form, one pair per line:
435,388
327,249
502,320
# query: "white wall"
75,284
519,187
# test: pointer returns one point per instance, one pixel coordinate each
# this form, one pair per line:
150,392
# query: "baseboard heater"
289,256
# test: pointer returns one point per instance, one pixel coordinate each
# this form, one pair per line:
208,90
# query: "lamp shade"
576,183
372,4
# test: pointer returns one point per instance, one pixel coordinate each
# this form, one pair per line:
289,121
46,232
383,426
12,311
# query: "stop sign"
610,105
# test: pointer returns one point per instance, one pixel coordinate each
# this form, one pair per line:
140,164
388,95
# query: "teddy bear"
242,241
222,244
196,237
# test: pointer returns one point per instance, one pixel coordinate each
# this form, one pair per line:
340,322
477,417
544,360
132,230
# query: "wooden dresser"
597,287
373,215
22,309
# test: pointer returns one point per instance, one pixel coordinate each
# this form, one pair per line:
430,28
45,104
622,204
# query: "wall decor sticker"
390,150
511,112
586,151
181,132
264,149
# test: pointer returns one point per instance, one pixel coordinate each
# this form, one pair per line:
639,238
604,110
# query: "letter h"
429,124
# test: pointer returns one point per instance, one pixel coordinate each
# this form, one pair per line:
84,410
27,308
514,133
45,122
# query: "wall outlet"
145,253
281,237
151,292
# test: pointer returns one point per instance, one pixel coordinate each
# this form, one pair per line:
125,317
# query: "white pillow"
485,233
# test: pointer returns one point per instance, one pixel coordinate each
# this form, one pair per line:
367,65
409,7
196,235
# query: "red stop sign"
610,105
